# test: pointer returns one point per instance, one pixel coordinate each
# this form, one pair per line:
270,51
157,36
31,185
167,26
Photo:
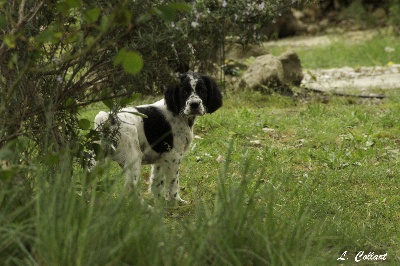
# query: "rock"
266,70
280,72
380,15
350,80
292,71
313,28
298,14
324,23
235,50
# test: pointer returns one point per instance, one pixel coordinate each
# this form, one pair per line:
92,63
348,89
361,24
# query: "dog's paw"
182,201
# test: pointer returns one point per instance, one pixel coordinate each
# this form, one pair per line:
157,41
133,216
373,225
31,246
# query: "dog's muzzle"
194,106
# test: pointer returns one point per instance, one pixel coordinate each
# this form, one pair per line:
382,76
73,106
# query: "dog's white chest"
185,133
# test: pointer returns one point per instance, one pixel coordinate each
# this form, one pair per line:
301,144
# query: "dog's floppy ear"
171,96
214,96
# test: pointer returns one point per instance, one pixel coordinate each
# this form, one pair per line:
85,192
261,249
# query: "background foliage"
58,56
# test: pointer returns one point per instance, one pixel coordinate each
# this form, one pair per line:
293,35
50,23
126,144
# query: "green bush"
60,56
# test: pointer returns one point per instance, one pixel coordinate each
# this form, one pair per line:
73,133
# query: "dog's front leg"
172,182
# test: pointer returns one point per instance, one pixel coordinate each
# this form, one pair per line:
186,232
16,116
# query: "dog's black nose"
194,105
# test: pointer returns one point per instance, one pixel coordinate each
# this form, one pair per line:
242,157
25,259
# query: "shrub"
57,57
60,56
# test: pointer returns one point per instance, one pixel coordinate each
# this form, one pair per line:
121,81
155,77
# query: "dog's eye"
187,91
200,90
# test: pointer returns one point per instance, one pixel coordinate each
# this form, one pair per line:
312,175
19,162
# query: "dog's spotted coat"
165,135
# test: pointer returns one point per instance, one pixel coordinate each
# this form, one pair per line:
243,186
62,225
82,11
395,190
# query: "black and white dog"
164,135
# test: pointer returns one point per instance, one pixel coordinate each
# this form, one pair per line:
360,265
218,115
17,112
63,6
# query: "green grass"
335,166
323,179
344,53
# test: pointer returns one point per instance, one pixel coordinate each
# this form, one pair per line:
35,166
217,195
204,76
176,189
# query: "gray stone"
292,71
266,70
350,80
273,72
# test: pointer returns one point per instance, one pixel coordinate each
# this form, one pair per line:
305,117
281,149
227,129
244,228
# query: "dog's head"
196,95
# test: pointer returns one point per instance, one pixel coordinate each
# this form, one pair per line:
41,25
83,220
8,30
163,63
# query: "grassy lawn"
343,52
327,174
270,180
273,180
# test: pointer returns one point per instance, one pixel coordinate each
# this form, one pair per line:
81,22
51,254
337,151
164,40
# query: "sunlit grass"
377,51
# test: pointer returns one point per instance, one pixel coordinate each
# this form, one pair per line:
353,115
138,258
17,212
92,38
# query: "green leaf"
123,17
66,5
74,3
3,21
51,34
98,150
62,7
92,15
84,124
135,113
5,154
120,57
143,18
180,7
69,102
109,103
9,40
93,135
168,11
105,23
52,158
131,62
128,100
89,40
6,174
